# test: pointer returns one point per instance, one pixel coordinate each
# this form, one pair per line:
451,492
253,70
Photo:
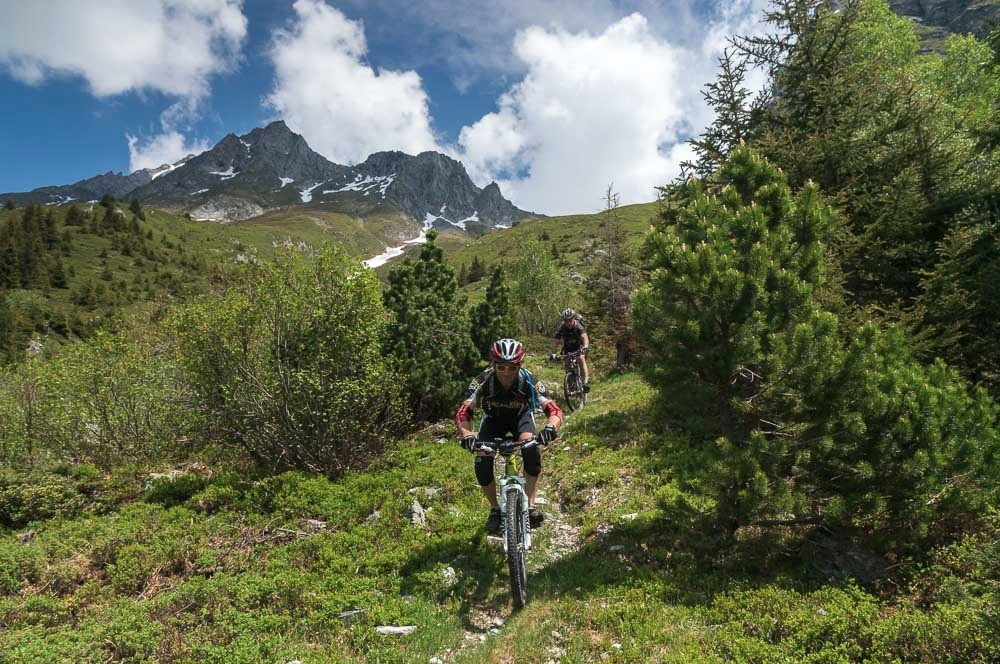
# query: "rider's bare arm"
585,339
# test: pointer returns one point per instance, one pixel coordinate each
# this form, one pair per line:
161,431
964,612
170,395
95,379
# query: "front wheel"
515,550
573,388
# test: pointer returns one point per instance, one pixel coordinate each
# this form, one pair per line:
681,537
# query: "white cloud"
326,91
597,108
117,46
165,148
473,39
592,109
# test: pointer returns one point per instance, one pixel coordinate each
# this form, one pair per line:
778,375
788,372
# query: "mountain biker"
508,395
574,338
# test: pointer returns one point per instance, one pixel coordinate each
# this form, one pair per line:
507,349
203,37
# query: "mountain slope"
273,167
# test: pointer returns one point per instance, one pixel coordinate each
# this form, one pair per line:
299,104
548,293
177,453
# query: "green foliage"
856,434
136,208
173,489
901,141
536,287
477,270
733,270
961,299
111,400
289,366
888,445
737,114
24,499
493,318
429,336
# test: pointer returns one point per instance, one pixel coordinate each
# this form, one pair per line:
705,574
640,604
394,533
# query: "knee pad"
532,461
484,470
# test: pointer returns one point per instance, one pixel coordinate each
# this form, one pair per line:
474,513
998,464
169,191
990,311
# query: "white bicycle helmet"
507,350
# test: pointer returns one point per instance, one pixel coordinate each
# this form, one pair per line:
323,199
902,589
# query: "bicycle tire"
515,550
573,391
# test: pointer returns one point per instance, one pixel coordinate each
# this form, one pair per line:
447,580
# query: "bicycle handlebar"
508,446
571,354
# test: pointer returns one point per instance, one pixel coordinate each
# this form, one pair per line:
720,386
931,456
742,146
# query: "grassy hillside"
574,236
208,562
110,272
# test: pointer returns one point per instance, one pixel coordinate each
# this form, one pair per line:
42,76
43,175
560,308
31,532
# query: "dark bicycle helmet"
507,350
568,313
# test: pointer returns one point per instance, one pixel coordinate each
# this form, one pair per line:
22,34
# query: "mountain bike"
514,527
576,396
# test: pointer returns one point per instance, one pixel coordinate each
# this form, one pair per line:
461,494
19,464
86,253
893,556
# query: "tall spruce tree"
429,336
493,318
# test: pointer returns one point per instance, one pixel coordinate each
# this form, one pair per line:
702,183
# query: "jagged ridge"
272,167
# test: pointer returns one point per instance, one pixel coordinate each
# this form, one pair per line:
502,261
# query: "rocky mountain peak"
272,166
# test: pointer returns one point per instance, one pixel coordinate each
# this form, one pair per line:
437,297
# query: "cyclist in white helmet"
574,338
508,395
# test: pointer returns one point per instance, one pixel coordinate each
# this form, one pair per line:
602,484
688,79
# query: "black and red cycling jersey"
526,394
571,332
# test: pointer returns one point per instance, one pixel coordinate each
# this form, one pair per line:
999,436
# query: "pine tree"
9,204
429,336
477,271
75,216
797,425
733,266
137,210
463,275
493,318
57,275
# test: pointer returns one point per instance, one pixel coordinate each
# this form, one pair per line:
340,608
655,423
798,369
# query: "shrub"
115,398
25,499
288,367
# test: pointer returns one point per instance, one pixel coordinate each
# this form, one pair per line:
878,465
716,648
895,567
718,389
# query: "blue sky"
553,99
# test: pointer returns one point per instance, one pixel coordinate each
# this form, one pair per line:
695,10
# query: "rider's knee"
484,470
532,461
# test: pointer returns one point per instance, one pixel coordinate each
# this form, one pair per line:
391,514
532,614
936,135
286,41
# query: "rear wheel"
515,550
573,389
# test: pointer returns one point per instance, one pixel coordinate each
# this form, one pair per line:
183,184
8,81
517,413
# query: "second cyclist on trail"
574,339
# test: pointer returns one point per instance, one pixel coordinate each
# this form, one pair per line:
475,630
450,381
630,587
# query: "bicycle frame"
573,377
510,483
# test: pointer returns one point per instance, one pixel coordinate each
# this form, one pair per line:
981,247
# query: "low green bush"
288,368
24,499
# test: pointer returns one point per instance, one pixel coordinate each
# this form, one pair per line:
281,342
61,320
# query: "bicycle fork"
509,488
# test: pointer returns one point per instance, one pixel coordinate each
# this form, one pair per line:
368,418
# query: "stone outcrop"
935,19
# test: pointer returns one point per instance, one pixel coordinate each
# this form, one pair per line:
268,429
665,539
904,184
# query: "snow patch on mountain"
366,184
224,175
285,181
307,194
393,252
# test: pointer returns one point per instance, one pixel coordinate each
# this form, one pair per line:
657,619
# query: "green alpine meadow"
236,441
